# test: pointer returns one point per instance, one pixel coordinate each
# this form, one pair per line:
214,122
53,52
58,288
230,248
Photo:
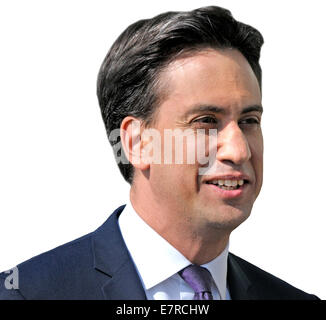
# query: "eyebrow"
256,107
218,109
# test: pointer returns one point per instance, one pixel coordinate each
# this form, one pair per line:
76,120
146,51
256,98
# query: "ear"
132,143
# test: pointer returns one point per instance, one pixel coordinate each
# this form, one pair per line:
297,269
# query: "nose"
232,145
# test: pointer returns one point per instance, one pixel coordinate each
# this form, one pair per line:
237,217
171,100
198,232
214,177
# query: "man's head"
194,71
128,81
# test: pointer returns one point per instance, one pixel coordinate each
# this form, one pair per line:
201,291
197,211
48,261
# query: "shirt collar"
156,259
218,269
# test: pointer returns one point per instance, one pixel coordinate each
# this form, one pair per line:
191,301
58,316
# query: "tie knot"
199,279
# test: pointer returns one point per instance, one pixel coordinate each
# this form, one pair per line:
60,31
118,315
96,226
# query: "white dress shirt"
158,262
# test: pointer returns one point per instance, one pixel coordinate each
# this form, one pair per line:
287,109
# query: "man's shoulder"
264,285
53,270
70,271
70,255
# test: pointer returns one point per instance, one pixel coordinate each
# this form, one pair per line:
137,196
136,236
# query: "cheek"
175,180
256,145
257,151
173,187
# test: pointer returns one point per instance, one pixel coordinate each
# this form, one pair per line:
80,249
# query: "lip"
228,194
233,176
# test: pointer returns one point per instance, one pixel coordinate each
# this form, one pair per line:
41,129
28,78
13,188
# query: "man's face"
211,90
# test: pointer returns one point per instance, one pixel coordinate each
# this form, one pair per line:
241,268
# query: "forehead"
211,77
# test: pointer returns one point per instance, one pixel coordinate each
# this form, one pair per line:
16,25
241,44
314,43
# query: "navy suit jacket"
98,266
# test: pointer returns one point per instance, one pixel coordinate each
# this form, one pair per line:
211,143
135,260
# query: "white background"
58,178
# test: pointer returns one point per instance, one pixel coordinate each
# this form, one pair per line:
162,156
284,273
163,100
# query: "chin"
230,219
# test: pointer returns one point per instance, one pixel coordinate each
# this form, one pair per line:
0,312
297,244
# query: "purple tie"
200,280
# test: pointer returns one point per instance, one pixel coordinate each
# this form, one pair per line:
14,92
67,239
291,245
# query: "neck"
199,244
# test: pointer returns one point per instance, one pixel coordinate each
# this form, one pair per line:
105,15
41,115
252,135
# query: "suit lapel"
112,258
240,287
124,285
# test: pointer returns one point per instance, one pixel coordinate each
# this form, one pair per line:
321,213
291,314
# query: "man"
192,75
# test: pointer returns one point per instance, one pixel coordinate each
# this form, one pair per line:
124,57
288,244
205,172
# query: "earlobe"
132,143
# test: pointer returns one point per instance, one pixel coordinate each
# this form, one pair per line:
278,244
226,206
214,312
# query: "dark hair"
128,78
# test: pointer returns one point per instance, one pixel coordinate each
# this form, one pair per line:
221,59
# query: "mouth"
228,188
228,184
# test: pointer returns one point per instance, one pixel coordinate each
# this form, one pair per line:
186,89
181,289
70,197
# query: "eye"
252,120
206,119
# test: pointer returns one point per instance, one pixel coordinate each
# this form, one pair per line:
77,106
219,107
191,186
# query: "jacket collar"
112,258
240,287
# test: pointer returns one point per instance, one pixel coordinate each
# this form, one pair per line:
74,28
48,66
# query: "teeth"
234,183
227,188
227,183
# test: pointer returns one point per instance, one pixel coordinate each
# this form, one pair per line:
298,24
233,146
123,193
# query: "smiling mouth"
228,184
